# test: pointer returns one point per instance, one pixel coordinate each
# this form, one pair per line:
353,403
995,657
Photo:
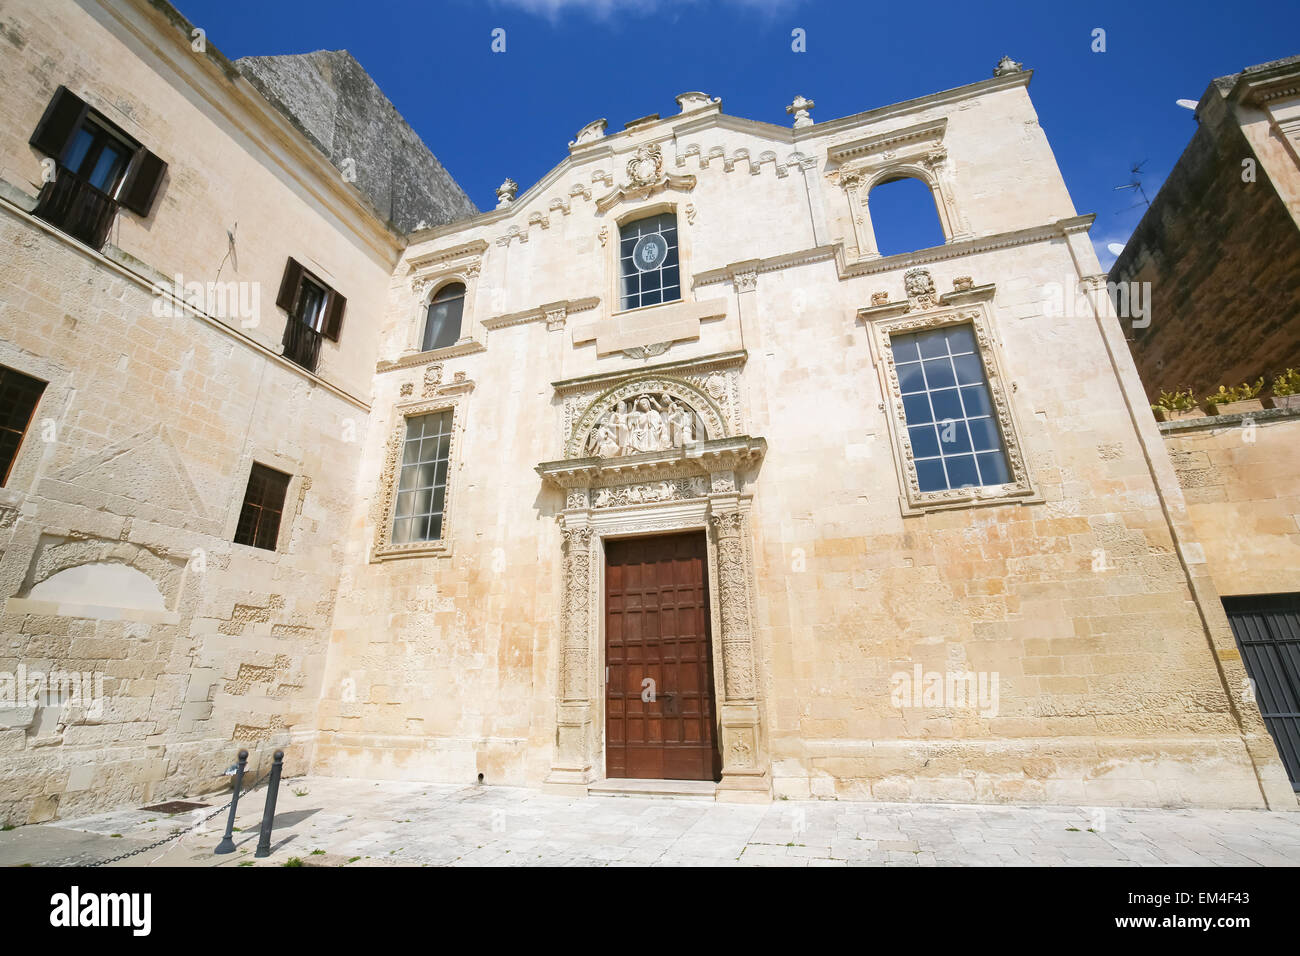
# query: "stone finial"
880,298
963,284
1007,65
506,193
800,108
592,131
696,100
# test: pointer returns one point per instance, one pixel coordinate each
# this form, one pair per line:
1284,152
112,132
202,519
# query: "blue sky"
490,115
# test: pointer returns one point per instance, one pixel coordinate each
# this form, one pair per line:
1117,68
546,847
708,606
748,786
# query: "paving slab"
324,821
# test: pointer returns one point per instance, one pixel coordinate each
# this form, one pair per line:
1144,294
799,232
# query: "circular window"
650,252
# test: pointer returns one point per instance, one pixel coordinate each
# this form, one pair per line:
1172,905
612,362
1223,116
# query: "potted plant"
1240,398
1286,390
1171,406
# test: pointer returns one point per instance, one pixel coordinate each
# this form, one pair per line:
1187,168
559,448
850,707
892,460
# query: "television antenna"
1136,183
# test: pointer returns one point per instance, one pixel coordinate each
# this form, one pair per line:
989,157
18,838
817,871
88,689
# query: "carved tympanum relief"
644,423
705,402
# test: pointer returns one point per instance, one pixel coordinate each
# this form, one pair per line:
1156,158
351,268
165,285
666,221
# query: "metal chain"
170,837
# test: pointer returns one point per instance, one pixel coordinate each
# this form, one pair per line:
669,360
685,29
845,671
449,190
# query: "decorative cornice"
431,260
468,347
964,247
771,264
707,456
1259,86
645,190
720,360
905,260
854,149
539,313
917,105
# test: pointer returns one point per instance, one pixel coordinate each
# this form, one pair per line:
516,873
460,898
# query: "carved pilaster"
571,770
733,607
744,763
577,614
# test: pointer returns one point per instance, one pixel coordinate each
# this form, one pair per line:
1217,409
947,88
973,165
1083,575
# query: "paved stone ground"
363,823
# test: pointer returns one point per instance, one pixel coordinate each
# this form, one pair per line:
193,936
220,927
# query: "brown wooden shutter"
142,181
60,122
334,306
289,286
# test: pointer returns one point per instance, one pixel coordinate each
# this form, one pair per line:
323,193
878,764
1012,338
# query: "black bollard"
227,844
268,815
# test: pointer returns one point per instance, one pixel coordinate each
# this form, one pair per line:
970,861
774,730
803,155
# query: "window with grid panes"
422,480
648,261
19,394
259,519
954,434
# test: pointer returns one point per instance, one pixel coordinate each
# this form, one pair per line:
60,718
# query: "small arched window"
903,216
442,323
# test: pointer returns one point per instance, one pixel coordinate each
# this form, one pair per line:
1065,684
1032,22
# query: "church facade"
687,386
658,471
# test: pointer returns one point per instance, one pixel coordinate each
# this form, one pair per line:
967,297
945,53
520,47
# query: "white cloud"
607,9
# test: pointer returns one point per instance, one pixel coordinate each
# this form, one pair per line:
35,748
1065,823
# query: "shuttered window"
19,394
98,167
328,319
259,519
315,312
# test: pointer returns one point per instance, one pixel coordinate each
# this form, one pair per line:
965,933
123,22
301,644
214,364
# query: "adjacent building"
1214,264
1219,246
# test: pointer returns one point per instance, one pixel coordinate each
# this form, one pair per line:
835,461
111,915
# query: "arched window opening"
903,216
442,324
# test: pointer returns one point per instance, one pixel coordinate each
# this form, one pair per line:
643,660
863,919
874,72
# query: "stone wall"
1220,247
230,651
1241,477
334,102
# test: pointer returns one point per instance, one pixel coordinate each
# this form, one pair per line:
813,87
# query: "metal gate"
1267,628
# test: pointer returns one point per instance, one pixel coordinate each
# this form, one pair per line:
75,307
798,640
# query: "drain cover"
175,806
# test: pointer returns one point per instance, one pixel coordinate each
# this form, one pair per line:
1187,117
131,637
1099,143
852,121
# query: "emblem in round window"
650,252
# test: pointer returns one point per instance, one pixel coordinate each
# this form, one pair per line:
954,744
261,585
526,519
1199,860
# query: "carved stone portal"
642,459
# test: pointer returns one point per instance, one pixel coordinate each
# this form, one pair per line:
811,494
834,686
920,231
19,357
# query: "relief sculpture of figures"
651,423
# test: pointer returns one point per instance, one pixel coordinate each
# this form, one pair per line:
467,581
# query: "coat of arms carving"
646,166
920,289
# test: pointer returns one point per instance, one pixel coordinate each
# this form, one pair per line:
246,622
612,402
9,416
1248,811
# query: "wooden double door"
659,707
